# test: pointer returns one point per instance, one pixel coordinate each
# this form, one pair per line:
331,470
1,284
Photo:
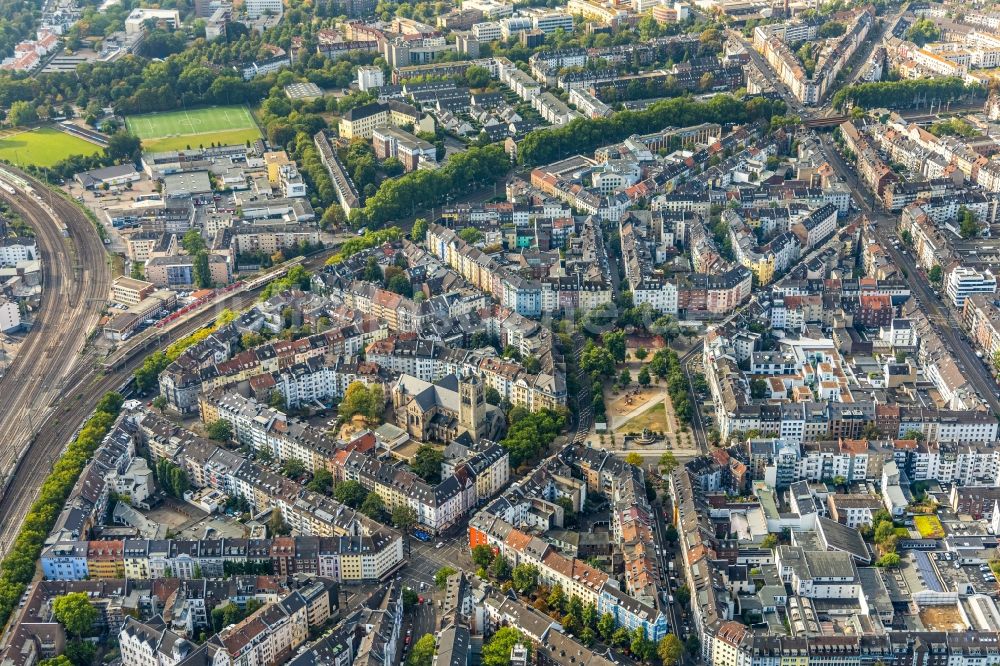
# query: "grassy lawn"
930,527
231,138
176,130
43,147
654,418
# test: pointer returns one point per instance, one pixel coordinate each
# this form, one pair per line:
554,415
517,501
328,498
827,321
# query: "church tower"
472,406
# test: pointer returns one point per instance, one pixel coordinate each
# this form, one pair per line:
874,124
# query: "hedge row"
18,567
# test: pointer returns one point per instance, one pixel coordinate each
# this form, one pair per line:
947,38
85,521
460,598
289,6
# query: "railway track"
77,399
76,280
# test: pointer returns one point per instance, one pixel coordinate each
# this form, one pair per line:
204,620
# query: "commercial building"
964,282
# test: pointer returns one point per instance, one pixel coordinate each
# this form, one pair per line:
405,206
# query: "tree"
923,31
427,463
160,403
640,353
493,396
321,482
471,235
496,651
59,660
277,525
614,342
839,481
668,462
692,644
770,542
419,231
888,560
642,648
22,113
758,389
913,433
968,227
500,568
884,531
477,77
557,597
410,598
351,493
202,272
220,430
293,468
482,555
364,400
81,653
403,517
525,578
422,653
624,377
634,459
606,626
373,506
123,146
75,612
935,274
682,595
621,637
644,378
192,242
442,576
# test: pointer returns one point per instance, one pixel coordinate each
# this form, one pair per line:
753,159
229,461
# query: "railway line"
85,386
76,280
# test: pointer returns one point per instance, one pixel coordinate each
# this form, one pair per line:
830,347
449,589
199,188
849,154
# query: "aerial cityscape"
479,332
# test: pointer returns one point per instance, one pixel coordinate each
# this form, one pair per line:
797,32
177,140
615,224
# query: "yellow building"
274,161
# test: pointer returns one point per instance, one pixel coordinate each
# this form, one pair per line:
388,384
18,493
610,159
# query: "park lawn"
654,418
228,138
44,146
930,527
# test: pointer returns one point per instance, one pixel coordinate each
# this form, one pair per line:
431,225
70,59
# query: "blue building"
66,561
631,613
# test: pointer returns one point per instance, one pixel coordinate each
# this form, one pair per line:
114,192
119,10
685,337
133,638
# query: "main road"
938,312
76,280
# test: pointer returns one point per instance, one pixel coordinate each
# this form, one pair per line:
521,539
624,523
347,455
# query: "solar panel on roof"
926,569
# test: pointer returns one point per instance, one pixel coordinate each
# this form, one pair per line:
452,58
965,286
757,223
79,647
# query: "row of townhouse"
265,637
465,485
268,430
368,549
644,246
399,312
185,605
518,525
811,89
430,361
783,462
874,172
815,421
981,317
215,362
929,152
114,470
154,559
724,641
585,289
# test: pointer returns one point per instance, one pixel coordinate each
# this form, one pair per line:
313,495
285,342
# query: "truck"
671,565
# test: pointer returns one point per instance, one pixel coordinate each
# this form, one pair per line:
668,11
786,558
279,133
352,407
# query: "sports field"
43,146
176,130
